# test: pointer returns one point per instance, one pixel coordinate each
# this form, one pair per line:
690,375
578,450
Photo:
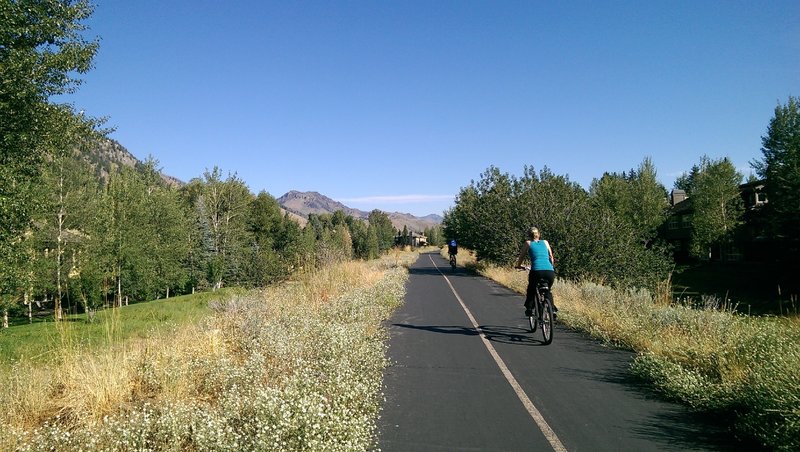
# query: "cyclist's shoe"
528,312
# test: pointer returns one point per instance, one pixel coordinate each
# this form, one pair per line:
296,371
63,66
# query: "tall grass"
711,358
44,341
293,367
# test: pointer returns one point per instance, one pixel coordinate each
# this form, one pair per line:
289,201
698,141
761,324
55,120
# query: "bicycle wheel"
533,320
453,262
547,322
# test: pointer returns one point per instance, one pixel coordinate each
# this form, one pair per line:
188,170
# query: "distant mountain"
107,155
305,203
414,223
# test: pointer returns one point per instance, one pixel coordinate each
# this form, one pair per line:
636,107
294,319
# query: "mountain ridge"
304,203
108,154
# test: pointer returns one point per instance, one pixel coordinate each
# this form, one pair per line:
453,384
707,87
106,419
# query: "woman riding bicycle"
542,266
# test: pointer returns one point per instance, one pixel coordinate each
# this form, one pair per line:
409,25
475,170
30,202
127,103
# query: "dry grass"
254,355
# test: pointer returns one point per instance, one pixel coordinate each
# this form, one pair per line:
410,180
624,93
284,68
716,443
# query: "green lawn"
754,287
36,341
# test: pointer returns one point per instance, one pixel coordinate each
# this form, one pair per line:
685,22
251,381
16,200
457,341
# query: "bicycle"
542,313
453,261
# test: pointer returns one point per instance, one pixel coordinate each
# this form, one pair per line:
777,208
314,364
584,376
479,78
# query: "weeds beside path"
294,367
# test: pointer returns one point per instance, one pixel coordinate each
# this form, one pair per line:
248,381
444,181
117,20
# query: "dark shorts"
534,276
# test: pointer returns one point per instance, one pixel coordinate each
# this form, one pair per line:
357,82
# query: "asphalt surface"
445,390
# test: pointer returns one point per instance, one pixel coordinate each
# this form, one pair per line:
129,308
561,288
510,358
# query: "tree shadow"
441,271
692,430
677,426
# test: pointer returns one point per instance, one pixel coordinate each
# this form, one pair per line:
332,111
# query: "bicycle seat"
543,286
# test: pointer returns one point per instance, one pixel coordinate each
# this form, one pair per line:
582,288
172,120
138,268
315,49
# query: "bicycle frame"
544,312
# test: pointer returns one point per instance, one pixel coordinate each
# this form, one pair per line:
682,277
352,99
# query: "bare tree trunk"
105,292
119,288
5,318
28,303
59,240
167,292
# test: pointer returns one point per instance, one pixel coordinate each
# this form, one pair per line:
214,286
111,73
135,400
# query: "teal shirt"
540,258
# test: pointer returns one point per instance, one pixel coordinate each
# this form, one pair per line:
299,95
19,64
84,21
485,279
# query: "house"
749,241
414,239
678,228
418,239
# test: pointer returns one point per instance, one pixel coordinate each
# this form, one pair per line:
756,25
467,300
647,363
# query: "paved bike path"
444,391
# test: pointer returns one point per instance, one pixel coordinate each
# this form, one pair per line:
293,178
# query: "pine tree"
780,167
384,231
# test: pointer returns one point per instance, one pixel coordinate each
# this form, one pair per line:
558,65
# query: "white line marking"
526,401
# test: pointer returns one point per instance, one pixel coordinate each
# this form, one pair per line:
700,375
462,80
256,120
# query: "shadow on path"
444,329
446,271
502,334
675,428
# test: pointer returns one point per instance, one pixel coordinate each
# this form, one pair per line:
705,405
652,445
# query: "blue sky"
396,105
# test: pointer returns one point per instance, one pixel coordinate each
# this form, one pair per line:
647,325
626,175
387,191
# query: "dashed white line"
548,432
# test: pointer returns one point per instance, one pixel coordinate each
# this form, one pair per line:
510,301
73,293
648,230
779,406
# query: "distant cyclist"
542,266
452,247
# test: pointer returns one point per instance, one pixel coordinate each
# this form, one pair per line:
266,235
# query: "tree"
164,226
383,228
649,202
457,222
41,49
69,198
373,246
637,197
405,238
589,240
360,236
288,242
780,167
266,228
612,192
224,207
559,208
199,235
118,232
495,235
434,235
306,248
342,241
265,219
717,204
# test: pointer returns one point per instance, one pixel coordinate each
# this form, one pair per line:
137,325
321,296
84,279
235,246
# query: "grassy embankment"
712,359
297,366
